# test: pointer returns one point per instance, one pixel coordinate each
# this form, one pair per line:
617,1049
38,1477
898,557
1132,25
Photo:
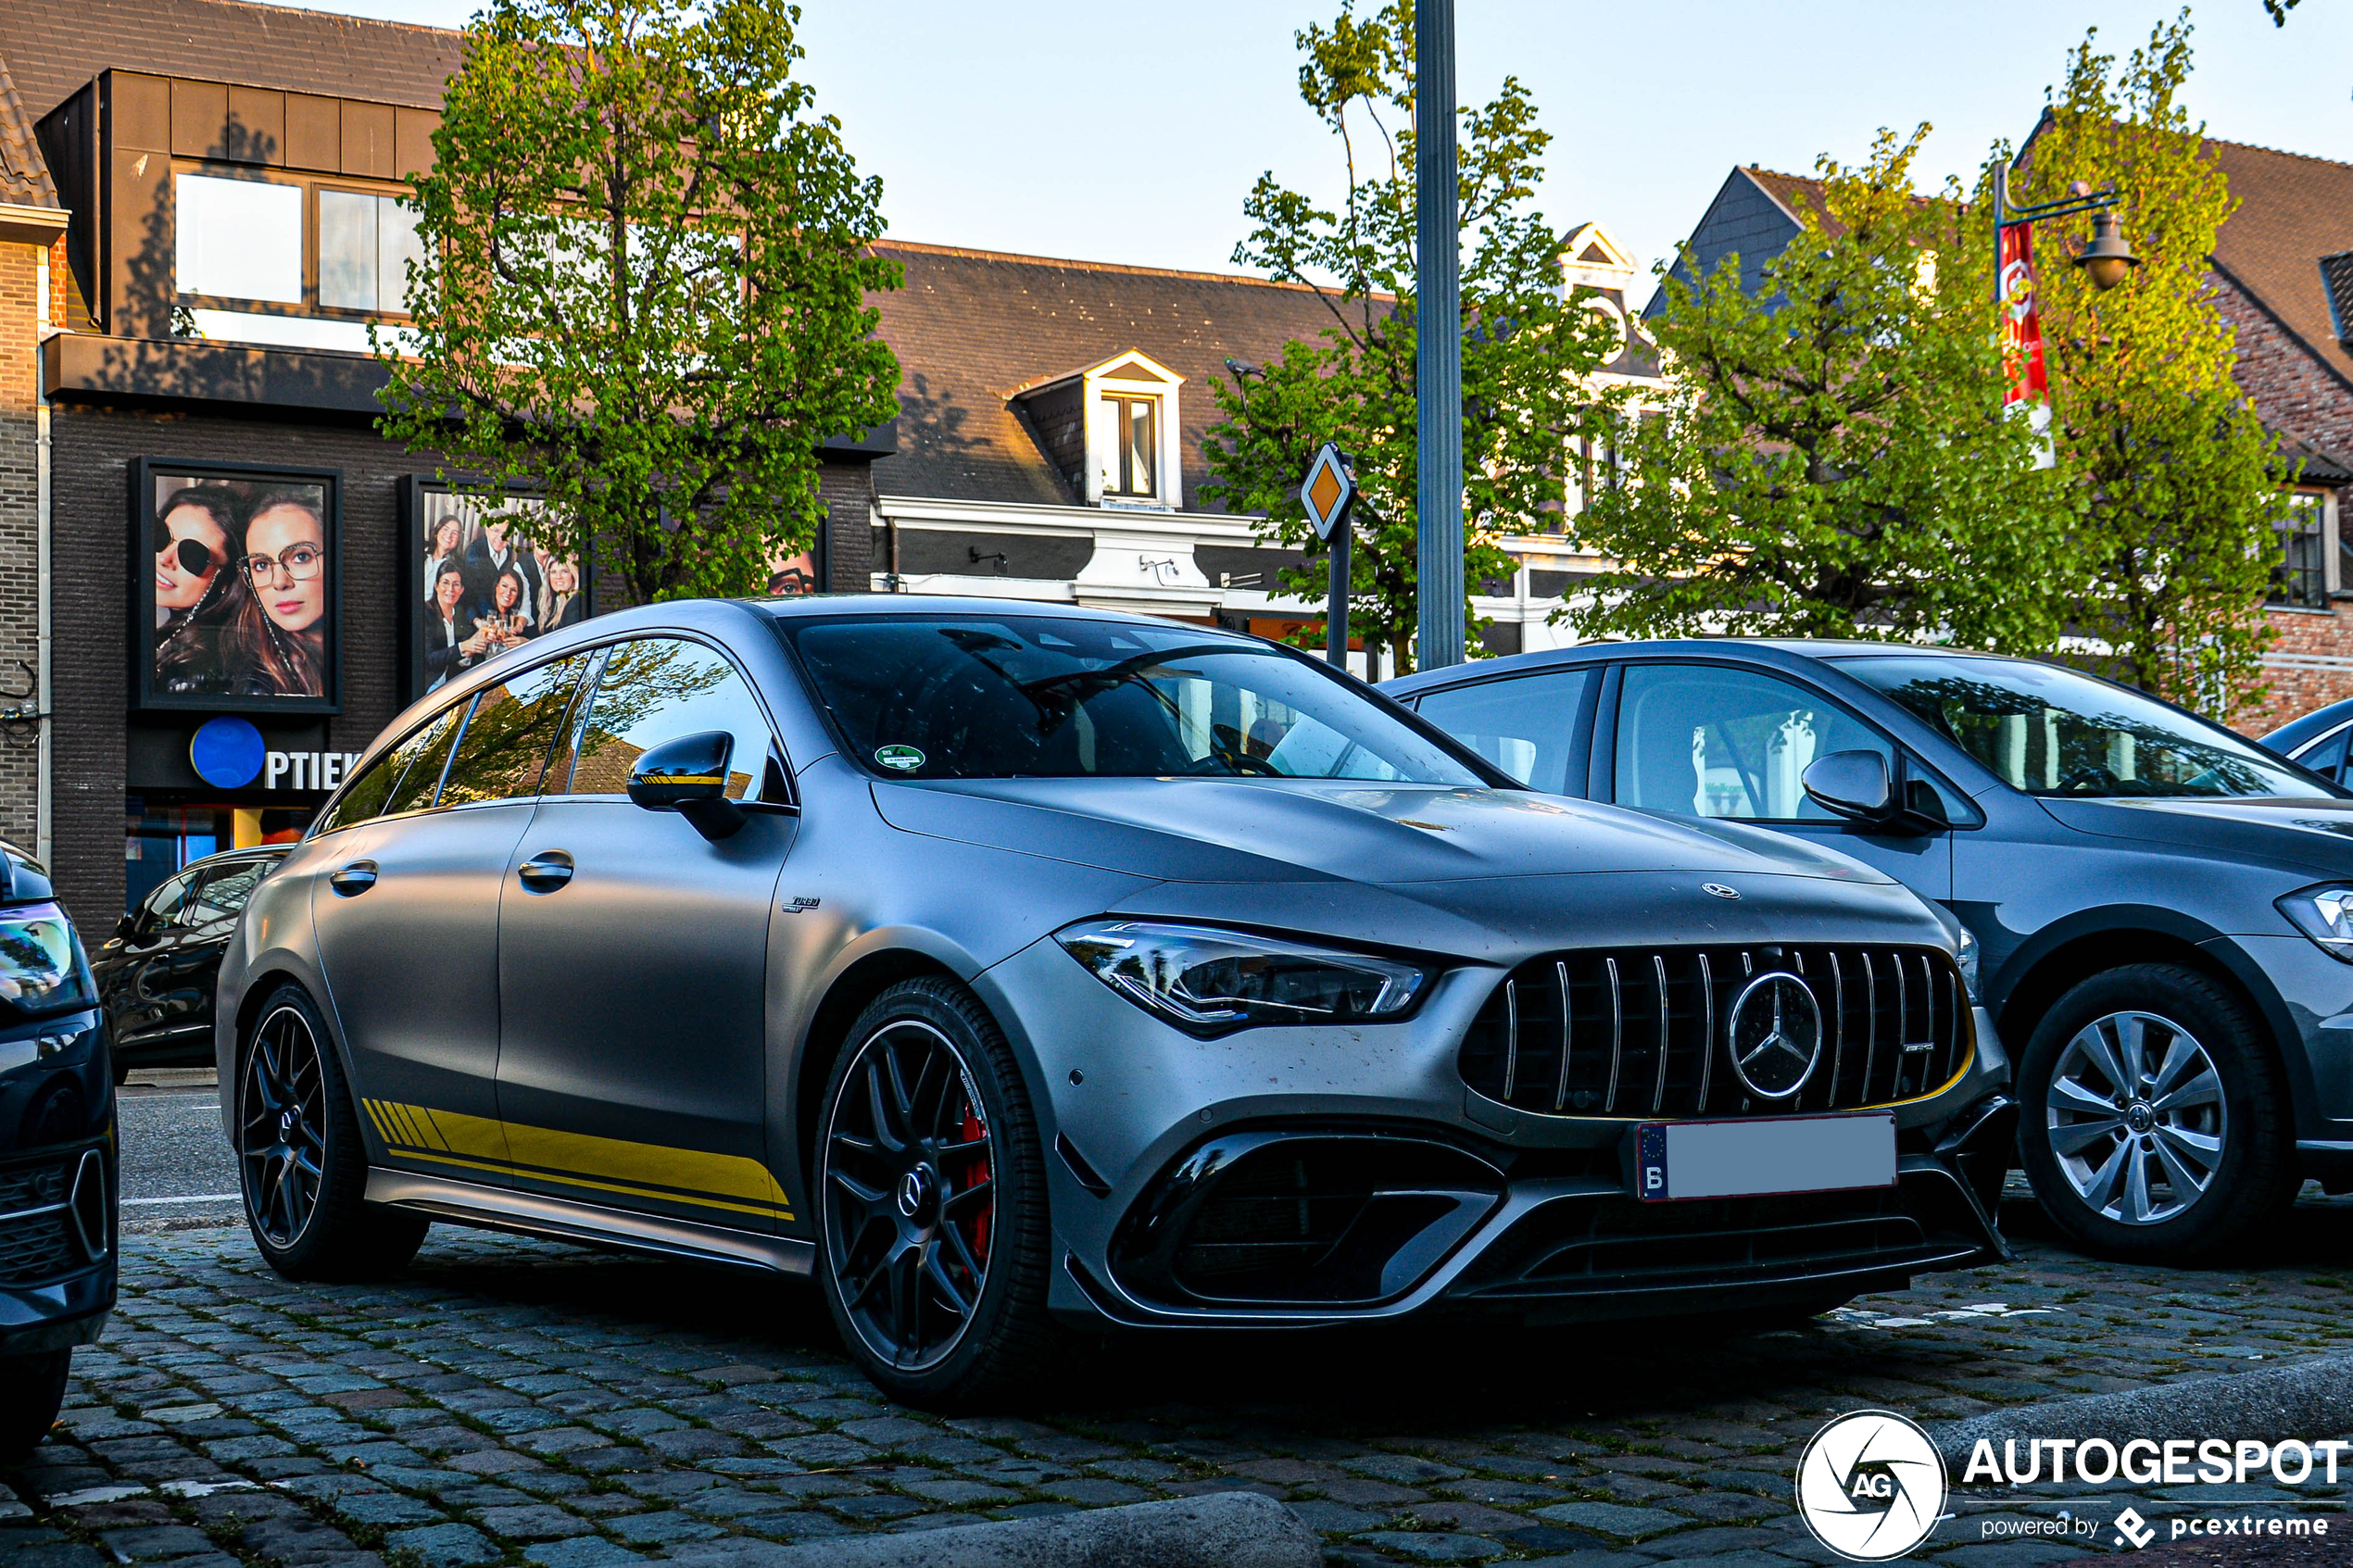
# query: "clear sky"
1131,132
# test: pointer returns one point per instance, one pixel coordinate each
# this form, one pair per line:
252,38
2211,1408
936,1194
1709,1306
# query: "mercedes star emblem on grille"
1775,1033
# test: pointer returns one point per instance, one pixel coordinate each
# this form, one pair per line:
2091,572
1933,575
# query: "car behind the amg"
2165,910
1016,969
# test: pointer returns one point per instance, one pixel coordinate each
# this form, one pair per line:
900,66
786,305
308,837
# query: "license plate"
1675,1160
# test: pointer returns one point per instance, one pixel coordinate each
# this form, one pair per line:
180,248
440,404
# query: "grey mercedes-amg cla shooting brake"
1018,970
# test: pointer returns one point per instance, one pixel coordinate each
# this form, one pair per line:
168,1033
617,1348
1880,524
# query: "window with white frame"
366,243
1132,473
1131,431
2300,577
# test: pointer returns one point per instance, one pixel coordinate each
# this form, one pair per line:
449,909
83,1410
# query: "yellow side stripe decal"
615,1165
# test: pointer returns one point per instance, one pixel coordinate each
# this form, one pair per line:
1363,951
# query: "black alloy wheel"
931,1200
300,1160
282,1151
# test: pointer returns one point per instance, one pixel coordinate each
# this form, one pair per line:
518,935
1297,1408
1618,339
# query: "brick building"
2282,275
210,189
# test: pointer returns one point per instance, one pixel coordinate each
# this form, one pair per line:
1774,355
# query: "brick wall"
847,490
20,266
91,452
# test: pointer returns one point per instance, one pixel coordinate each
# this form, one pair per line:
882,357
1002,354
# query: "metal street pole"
1438,370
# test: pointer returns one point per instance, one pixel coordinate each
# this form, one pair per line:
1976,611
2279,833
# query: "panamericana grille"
1642,1032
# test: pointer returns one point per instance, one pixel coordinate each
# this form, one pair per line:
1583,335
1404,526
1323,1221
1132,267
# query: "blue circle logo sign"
227,753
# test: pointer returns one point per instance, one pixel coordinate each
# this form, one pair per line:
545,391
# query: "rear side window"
225,890
503,755
402,779
1522,725
2328,757
656,689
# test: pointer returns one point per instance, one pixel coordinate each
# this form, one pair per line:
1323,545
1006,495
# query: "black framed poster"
475,589
237,588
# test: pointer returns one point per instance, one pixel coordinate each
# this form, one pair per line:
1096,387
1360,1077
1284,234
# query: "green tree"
643,287
2182,483
1525,344
1834,460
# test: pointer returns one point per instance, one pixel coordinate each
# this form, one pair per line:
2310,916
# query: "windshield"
1037,696
2052,731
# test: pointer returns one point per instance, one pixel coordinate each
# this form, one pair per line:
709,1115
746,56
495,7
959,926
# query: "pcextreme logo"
1870,1486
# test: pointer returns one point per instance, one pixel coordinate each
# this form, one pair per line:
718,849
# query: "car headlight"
1208,982
1964,954
2325,914
42,969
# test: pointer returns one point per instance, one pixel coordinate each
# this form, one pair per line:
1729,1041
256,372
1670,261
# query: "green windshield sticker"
899,758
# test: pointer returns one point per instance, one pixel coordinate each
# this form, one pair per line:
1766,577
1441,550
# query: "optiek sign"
232,753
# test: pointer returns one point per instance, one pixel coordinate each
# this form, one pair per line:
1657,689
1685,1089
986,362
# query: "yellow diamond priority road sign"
1329,489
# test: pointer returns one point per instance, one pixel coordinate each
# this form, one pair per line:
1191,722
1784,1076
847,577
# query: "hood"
1293,831
2307,837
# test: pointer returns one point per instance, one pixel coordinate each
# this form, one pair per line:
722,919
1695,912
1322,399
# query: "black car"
156,976
2317,740
56,1154
2165,910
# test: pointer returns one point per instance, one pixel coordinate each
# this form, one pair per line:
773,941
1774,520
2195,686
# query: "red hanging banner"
2021,328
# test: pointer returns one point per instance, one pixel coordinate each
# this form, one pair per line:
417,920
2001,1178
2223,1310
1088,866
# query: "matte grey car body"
565,1014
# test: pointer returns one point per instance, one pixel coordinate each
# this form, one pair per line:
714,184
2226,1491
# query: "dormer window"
1134,425
1111,431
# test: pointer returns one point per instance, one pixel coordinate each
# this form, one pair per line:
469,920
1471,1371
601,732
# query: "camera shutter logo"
1870,1486
1775,1033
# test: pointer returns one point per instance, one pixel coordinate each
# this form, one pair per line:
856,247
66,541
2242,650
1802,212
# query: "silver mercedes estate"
1019,970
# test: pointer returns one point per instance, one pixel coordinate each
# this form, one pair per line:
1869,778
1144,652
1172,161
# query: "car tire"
2182,1160
930,1203
32,1388
301,1166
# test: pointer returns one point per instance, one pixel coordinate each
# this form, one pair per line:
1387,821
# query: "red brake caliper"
972,1131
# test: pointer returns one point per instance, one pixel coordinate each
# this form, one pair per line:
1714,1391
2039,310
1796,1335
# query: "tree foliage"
2181,481
1834,460
1524,345
643,289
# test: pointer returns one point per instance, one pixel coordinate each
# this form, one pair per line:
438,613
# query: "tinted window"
657,689
224,891
2327,757
503,754
1523,725
402,779
165,902
2048,730
1711,742
1010,697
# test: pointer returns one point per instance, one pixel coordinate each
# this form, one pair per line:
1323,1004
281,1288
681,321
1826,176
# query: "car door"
135,970
633,958
1725,741
407,918
206,921
1528,725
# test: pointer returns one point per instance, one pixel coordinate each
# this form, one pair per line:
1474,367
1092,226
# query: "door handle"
354,879
544,872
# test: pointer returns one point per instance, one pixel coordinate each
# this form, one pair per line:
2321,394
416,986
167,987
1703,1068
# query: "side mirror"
126,928
1853,785
689,776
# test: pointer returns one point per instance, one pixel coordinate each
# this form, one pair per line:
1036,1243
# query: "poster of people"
236,594
477,587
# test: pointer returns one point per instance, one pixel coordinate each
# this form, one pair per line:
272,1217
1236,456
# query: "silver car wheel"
283,1143
909,1199
2136,1117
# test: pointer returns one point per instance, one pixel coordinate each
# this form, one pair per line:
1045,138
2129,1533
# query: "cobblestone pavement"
509,1401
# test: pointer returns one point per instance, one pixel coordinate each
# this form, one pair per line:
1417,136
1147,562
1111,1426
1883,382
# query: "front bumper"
1303,1176
58,1175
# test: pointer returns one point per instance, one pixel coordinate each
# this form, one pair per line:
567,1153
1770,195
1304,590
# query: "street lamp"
2105,261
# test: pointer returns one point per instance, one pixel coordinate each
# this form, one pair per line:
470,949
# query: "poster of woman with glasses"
237,573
